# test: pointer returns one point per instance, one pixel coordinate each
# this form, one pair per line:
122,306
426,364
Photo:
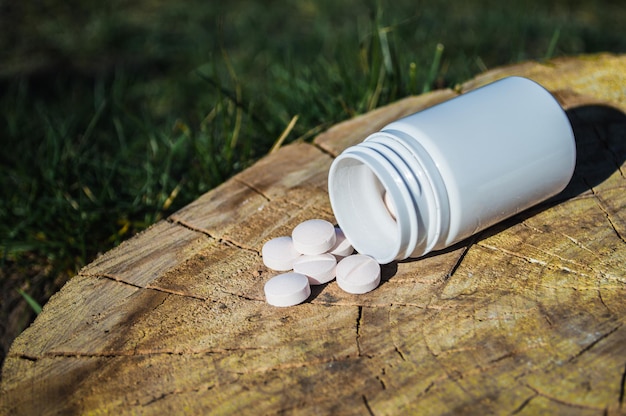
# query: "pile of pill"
314,254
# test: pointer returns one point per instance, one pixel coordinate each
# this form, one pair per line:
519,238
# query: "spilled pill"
279,254
314,237
358,274
319,268
391,208
342,247
287,289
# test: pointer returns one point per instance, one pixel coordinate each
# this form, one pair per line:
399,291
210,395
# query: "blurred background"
115,114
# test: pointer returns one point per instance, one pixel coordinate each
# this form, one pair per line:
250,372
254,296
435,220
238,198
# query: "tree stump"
524,318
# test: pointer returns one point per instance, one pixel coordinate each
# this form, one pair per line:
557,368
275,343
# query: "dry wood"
526,317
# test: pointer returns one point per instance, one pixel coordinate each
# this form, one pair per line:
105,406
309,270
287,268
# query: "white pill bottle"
452,170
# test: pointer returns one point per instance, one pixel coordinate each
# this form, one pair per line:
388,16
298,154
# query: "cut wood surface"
526,317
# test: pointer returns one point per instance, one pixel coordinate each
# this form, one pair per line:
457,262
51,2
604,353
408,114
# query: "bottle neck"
389,165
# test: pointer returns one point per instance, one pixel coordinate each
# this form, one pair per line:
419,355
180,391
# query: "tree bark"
524,318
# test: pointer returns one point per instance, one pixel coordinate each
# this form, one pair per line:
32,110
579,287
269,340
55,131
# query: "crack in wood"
615,157
563,402
537,261
359,317
344,303
532,228
525,403
458,262
454,375
605,211
149,287
584,288
177,392
611,223
510,354
514,353
594,342
381,381
115,279
323,150
579,244
177,221
607,214
179,293
136,352
299,364
548,265
603,303
252,188
622,388
397,350
232,243
240,296
225,241
367,405
428,388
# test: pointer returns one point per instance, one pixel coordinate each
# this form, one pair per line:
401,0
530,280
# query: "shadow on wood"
600,133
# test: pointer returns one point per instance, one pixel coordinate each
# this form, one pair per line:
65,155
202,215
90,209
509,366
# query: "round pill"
287,289
279,254
358,274
391,208
313,236
319,268
342,247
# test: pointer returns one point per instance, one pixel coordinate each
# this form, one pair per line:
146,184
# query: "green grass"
115,115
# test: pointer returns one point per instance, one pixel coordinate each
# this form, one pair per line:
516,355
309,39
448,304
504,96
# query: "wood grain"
524,318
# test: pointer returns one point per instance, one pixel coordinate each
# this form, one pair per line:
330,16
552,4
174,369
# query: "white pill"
319,268
342,247
358,274
279,254
287,289
313,237
391,208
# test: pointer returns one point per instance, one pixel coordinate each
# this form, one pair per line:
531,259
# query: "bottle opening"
360,184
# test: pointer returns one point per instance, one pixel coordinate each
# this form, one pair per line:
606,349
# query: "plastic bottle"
452,170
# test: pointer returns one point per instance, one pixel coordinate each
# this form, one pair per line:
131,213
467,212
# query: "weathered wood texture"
524,318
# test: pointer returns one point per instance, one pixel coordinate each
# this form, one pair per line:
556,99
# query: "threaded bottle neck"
392,164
